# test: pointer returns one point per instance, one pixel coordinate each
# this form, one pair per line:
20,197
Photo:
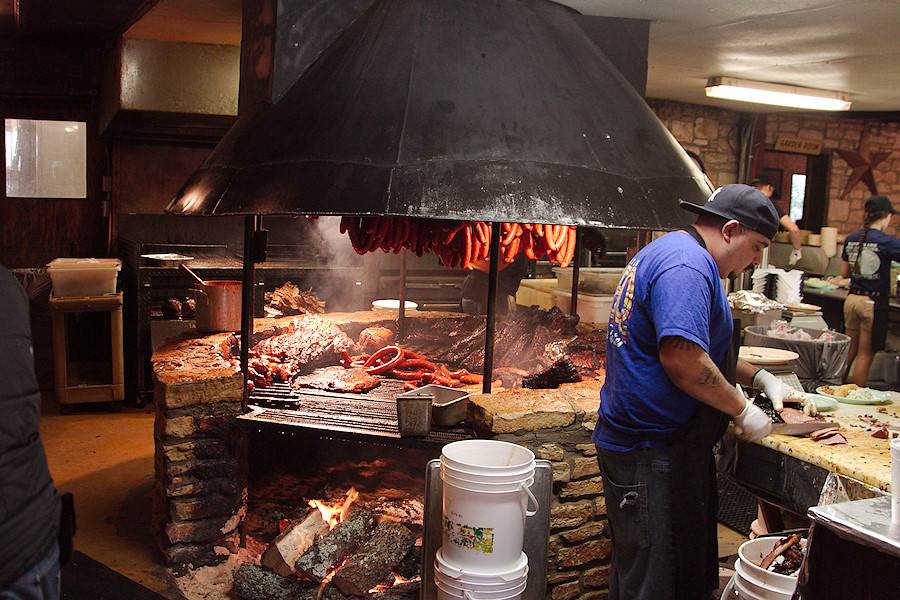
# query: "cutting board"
761,355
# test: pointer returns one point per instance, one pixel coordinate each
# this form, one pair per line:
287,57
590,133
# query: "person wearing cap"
764,183
866,260
670,393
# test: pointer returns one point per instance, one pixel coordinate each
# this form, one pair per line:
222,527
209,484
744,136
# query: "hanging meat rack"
467,110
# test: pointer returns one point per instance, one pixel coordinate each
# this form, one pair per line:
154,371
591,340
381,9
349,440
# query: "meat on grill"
337,379
562,371
375,338
311,341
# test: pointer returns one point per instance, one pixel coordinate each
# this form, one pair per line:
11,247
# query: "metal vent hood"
491,110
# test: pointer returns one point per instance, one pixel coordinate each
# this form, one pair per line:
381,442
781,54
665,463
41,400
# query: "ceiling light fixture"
743,90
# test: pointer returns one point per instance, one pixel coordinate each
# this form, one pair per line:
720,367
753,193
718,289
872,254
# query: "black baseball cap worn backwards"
747,205
880,204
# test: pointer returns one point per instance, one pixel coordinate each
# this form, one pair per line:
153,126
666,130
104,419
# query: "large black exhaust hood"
486,110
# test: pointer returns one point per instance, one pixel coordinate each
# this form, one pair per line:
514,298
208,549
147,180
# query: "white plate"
878,397
761,355
800,306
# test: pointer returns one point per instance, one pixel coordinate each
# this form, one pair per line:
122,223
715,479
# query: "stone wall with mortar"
200,490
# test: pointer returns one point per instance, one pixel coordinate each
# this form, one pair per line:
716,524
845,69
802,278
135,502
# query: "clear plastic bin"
84,276
591,280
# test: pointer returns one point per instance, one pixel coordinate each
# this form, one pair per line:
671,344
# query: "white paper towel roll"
829,241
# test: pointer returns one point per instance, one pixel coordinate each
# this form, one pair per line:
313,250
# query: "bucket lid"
487,455
514,572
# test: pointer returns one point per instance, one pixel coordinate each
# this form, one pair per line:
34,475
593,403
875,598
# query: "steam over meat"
311,341
337,379
375,338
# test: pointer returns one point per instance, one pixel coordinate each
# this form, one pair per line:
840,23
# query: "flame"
336,513
397,581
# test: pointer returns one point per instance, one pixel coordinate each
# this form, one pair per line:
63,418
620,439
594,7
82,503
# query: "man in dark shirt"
29,503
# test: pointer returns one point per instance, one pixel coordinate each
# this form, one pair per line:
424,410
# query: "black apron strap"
694,489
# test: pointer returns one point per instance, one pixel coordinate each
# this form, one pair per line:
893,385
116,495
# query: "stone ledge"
532,410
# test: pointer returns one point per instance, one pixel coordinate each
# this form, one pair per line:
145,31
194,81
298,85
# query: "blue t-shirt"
670,288
874,267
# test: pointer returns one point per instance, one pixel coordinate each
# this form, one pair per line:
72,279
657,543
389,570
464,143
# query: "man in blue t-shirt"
669,394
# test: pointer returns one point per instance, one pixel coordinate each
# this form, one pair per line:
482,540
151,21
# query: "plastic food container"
84,276
592,309
591,280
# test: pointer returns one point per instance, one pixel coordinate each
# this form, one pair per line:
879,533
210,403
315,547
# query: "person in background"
764,183
29,502
866,260
475,285
670,392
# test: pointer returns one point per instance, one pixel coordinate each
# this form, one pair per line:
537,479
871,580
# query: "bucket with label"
455,583
486,499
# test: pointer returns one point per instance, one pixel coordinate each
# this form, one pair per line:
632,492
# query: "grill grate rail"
372,415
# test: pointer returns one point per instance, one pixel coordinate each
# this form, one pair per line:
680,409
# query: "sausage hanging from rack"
459,243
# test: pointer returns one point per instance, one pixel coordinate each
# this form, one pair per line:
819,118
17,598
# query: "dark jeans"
40,583
637,487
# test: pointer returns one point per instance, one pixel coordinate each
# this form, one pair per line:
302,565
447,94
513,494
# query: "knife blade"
801,428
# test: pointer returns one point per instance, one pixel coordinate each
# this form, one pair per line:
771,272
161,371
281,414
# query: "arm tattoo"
709,375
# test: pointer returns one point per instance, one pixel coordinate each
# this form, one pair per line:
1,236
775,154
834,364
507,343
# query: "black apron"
694,491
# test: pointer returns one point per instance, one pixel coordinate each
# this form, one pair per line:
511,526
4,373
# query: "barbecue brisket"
311,341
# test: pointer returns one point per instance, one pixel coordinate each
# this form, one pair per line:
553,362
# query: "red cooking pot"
218,306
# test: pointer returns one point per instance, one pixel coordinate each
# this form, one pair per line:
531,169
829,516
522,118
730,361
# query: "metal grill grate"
350,415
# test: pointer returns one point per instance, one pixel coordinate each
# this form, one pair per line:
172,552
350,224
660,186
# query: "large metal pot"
218,306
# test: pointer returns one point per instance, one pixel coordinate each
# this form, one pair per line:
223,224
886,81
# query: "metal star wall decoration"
863,169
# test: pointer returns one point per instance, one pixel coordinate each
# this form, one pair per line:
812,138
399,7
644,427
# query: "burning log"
296,539
373,561
255,583
408,590
337,545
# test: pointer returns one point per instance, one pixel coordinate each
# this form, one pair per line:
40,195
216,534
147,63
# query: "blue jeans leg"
637,488
40,583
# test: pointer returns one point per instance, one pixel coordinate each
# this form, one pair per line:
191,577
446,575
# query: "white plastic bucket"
454,583
486,500
755,583
488,457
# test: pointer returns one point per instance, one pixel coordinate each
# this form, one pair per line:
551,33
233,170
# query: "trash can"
819,362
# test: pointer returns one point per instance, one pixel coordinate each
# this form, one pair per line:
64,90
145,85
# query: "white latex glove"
795,257
752,424
771,387
805,400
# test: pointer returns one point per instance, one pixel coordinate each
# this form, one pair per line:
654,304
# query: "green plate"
824,403
878,397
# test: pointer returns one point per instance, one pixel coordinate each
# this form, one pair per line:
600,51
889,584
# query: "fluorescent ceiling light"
760,92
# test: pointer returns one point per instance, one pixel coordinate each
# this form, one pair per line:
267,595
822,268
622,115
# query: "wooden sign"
786,143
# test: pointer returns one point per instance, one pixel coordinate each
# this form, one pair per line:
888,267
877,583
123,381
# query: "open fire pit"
207,487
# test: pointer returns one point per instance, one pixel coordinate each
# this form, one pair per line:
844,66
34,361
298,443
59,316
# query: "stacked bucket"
486,499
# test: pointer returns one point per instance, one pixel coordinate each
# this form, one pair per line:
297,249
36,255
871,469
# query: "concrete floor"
106,460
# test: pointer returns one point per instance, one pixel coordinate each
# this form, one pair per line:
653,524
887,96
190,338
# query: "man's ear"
730,229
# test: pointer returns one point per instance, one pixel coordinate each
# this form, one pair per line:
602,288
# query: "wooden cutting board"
761,355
